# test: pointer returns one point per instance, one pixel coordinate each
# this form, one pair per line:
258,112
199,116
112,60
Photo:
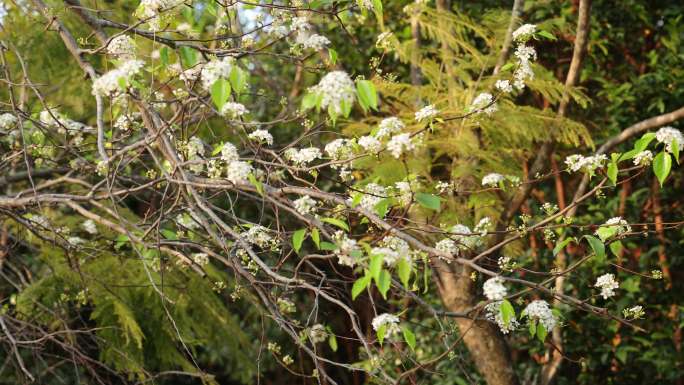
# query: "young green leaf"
409,337
546,35
360,285
316,237
238,79
596,245
507,311
368,97
612,172
541,332
384,282
404,271
375,266
662,164
429,201
616,248
257,185
220,92
381,333
336,222
327,246
332,341
561,245
332,55
298,239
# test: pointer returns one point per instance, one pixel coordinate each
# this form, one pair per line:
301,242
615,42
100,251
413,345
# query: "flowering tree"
228,168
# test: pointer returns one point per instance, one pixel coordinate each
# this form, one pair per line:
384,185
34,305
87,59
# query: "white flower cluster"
302,157
261,136
484,102
588,164
214,70
539,310
335,88
401,143
237,171
233,110
634,312
448,246
372,195
492,180
370,144
426,113
151,9
644,158
305,205
620,225
201,259
404,192
55,119
8,122
464,237
392,249
339,149
305,37
125,122
389,126
504,86
494,289
347,249
667,135
317,334
89,227
259,235
389,321
122,46
493,313
110,83
524,32
607,284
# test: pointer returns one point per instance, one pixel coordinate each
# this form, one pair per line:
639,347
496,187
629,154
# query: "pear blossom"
607,284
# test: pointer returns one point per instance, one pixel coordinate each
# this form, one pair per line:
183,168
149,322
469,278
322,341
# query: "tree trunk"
487,347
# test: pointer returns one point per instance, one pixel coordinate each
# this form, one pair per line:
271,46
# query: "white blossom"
493,313
588,164
492,180
109,83
303,156
370,143
262,136
634,312
233,110
339,149
614,227
389,126
504,86
405,192
539,310
667,135
8,121
426,113
216,69
372,195
229,152
237,172
89,227
305,205
316,42
335,88
259,235
447,245
400,248
317,333
607,284
494,289
122,46
400,144
524,32
643,158
347,249
389,321
201,259
484,102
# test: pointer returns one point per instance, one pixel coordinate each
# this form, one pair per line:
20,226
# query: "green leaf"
327,246
429,201
532,327
336,222
384,282
360,285
382,207
546,35
404,271
596,245
238,79
561,245
332,54
368,97
606,232
164,56
662,164
616,248
332,341
377,8
409,337
675,149
507,311
375,266
188,56
612,172
507,67
644,141
316,237
541,332
257,185
381,333
298,239
220,92
168,234
309,101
